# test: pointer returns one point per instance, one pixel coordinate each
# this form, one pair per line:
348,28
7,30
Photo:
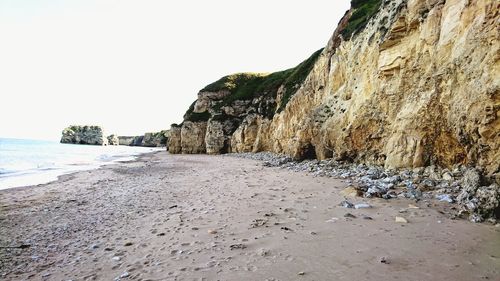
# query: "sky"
136,66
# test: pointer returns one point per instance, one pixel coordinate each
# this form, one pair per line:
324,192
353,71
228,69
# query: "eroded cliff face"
417,86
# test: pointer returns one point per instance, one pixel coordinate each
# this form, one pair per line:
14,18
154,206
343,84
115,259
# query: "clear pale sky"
136,66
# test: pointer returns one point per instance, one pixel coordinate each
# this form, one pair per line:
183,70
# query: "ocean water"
30,162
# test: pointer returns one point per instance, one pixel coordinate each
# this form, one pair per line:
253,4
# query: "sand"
200,217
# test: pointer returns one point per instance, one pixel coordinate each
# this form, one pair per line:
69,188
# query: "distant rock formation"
155,139
126,140
113,139
84,135
95,135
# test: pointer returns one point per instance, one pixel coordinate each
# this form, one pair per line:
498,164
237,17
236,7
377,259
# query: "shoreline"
62,173
180,217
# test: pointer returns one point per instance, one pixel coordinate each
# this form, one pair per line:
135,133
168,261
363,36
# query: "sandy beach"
200,217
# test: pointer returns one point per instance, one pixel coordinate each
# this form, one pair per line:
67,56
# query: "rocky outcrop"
193,137
401,84
113,140
478,199
84,135
174,141
155,139
126,140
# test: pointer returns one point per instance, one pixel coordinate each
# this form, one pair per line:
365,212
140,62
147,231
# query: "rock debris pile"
477,197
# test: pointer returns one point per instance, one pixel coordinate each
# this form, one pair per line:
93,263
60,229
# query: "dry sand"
199,217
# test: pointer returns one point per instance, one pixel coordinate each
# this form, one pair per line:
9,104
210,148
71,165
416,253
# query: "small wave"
5,171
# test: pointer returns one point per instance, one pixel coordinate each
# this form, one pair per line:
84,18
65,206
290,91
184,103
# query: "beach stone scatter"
477,199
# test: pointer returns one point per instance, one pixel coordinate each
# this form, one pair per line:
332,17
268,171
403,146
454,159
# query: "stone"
401,220
480,202
362,206
346,204
447,176
349,192
237,246
384,260
349,215
445,198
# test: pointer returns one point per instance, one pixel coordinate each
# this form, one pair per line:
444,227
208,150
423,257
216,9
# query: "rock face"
125,140
155,139
84,135
401,84
174,141
193,137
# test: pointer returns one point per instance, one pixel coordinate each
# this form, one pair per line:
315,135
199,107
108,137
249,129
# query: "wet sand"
200,217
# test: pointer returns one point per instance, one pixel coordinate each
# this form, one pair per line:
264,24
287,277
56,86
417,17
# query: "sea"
26,162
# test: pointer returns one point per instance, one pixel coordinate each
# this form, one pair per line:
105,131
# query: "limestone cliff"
155,139
84,135
401,83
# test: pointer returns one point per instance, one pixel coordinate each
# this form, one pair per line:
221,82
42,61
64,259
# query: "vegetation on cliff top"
363,10
246,86
196,116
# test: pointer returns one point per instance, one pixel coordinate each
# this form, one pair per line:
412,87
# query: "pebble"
346,204
237,246
212,231
116,258
349,215
124,275
445,198
362,206
447,176
401,220
301,273
375,181
384,260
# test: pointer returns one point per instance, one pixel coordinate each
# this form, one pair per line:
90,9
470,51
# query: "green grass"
296,76
196,116
246,86
363,11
